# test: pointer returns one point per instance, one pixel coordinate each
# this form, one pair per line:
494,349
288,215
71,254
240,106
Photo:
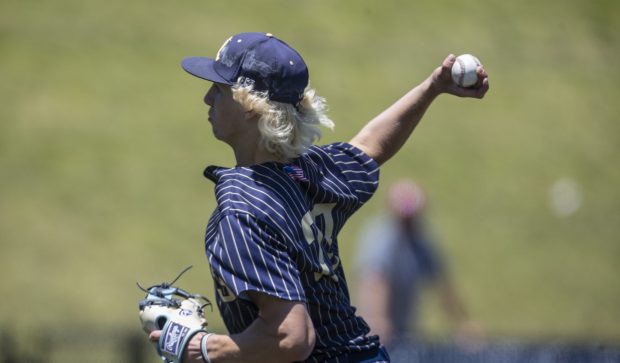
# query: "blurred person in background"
396,260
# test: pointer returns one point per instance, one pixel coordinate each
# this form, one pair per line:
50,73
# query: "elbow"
298,346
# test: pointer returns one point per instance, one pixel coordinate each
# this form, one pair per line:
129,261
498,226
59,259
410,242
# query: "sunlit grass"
103,139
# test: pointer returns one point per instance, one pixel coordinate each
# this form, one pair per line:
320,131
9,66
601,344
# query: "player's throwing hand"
442,80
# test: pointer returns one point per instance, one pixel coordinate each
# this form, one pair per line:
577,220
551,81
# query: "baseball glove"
177,313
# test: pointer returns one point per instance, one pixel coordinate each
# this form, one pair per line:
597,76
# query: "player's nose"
209,96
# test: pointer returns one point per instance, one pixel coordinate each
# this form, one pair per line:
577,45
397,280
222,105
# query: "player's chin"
217,135
216,132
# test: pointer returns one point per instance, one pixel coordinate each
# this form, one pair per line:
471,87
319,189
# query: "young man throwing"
272,241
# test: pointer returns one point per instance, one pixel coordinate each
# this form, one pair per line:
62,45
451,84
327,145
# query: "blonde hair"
286,130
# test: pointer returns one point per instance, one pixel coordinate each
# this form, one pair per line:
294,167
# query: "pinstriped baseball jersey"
275,231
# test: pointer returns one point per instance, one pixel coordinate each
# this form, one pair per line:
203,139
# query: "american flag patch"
295,172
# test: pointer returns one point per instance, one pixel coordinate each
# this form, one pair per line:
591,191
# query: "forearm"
275,336
384,135
258,343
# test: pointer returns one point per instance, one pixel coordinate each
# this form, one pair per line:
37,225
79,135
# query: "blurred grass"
103,139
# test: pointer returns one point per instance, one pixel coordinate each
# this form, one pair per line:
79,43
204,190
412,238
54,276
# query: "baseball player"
272,241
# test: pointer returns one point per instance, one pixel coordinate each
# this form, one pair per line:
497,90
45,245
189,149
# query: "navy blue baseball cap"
259,59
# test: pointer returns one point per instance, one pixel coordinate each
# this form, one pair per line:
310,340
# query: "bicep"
288,322
370,145
382,137
285,315
282,332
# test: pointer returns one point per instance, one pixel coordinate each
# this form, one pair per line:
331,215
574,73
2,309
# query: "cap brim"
202,67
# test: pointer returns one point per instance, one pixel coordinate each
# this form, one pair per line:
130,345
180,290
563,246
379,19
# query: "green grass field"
103,139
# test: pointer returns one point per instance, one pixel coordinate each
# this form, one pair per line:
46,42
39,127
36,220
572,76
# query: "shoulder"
341,153
346,160
340,170
245,189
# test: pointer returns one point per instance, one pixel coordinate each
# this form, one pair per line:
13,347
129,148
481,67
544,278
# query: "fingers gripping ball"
464,70
177,313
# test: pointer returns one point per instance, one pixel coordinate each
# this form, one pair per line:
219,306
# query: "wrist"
431,87
204,341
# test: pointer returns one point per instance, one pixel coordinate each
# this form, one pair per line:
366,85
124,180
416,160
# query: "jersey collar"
213,173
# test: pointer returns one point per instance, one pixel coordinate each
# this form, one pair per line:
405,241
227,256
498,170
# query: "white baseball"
464,70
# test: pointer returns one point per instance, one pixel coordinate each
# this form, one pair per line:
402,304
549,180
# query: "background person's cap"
257,58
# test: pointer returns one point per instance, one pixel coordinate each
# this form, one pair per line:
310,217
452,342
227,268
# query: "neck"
248,149
246,156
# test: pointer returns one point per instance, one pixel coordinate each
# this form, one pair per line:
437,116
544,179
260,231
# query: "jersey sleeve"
248,256
360,170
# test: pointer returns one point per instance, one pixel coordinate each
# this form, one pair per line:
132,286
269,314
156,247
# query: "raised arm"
384,135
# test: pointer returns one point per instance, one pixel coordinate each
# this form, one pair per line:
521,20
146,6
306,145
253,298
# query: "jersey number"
324,232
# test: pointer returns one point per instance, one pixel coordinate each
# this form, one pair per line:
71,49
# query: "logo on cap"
222,49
